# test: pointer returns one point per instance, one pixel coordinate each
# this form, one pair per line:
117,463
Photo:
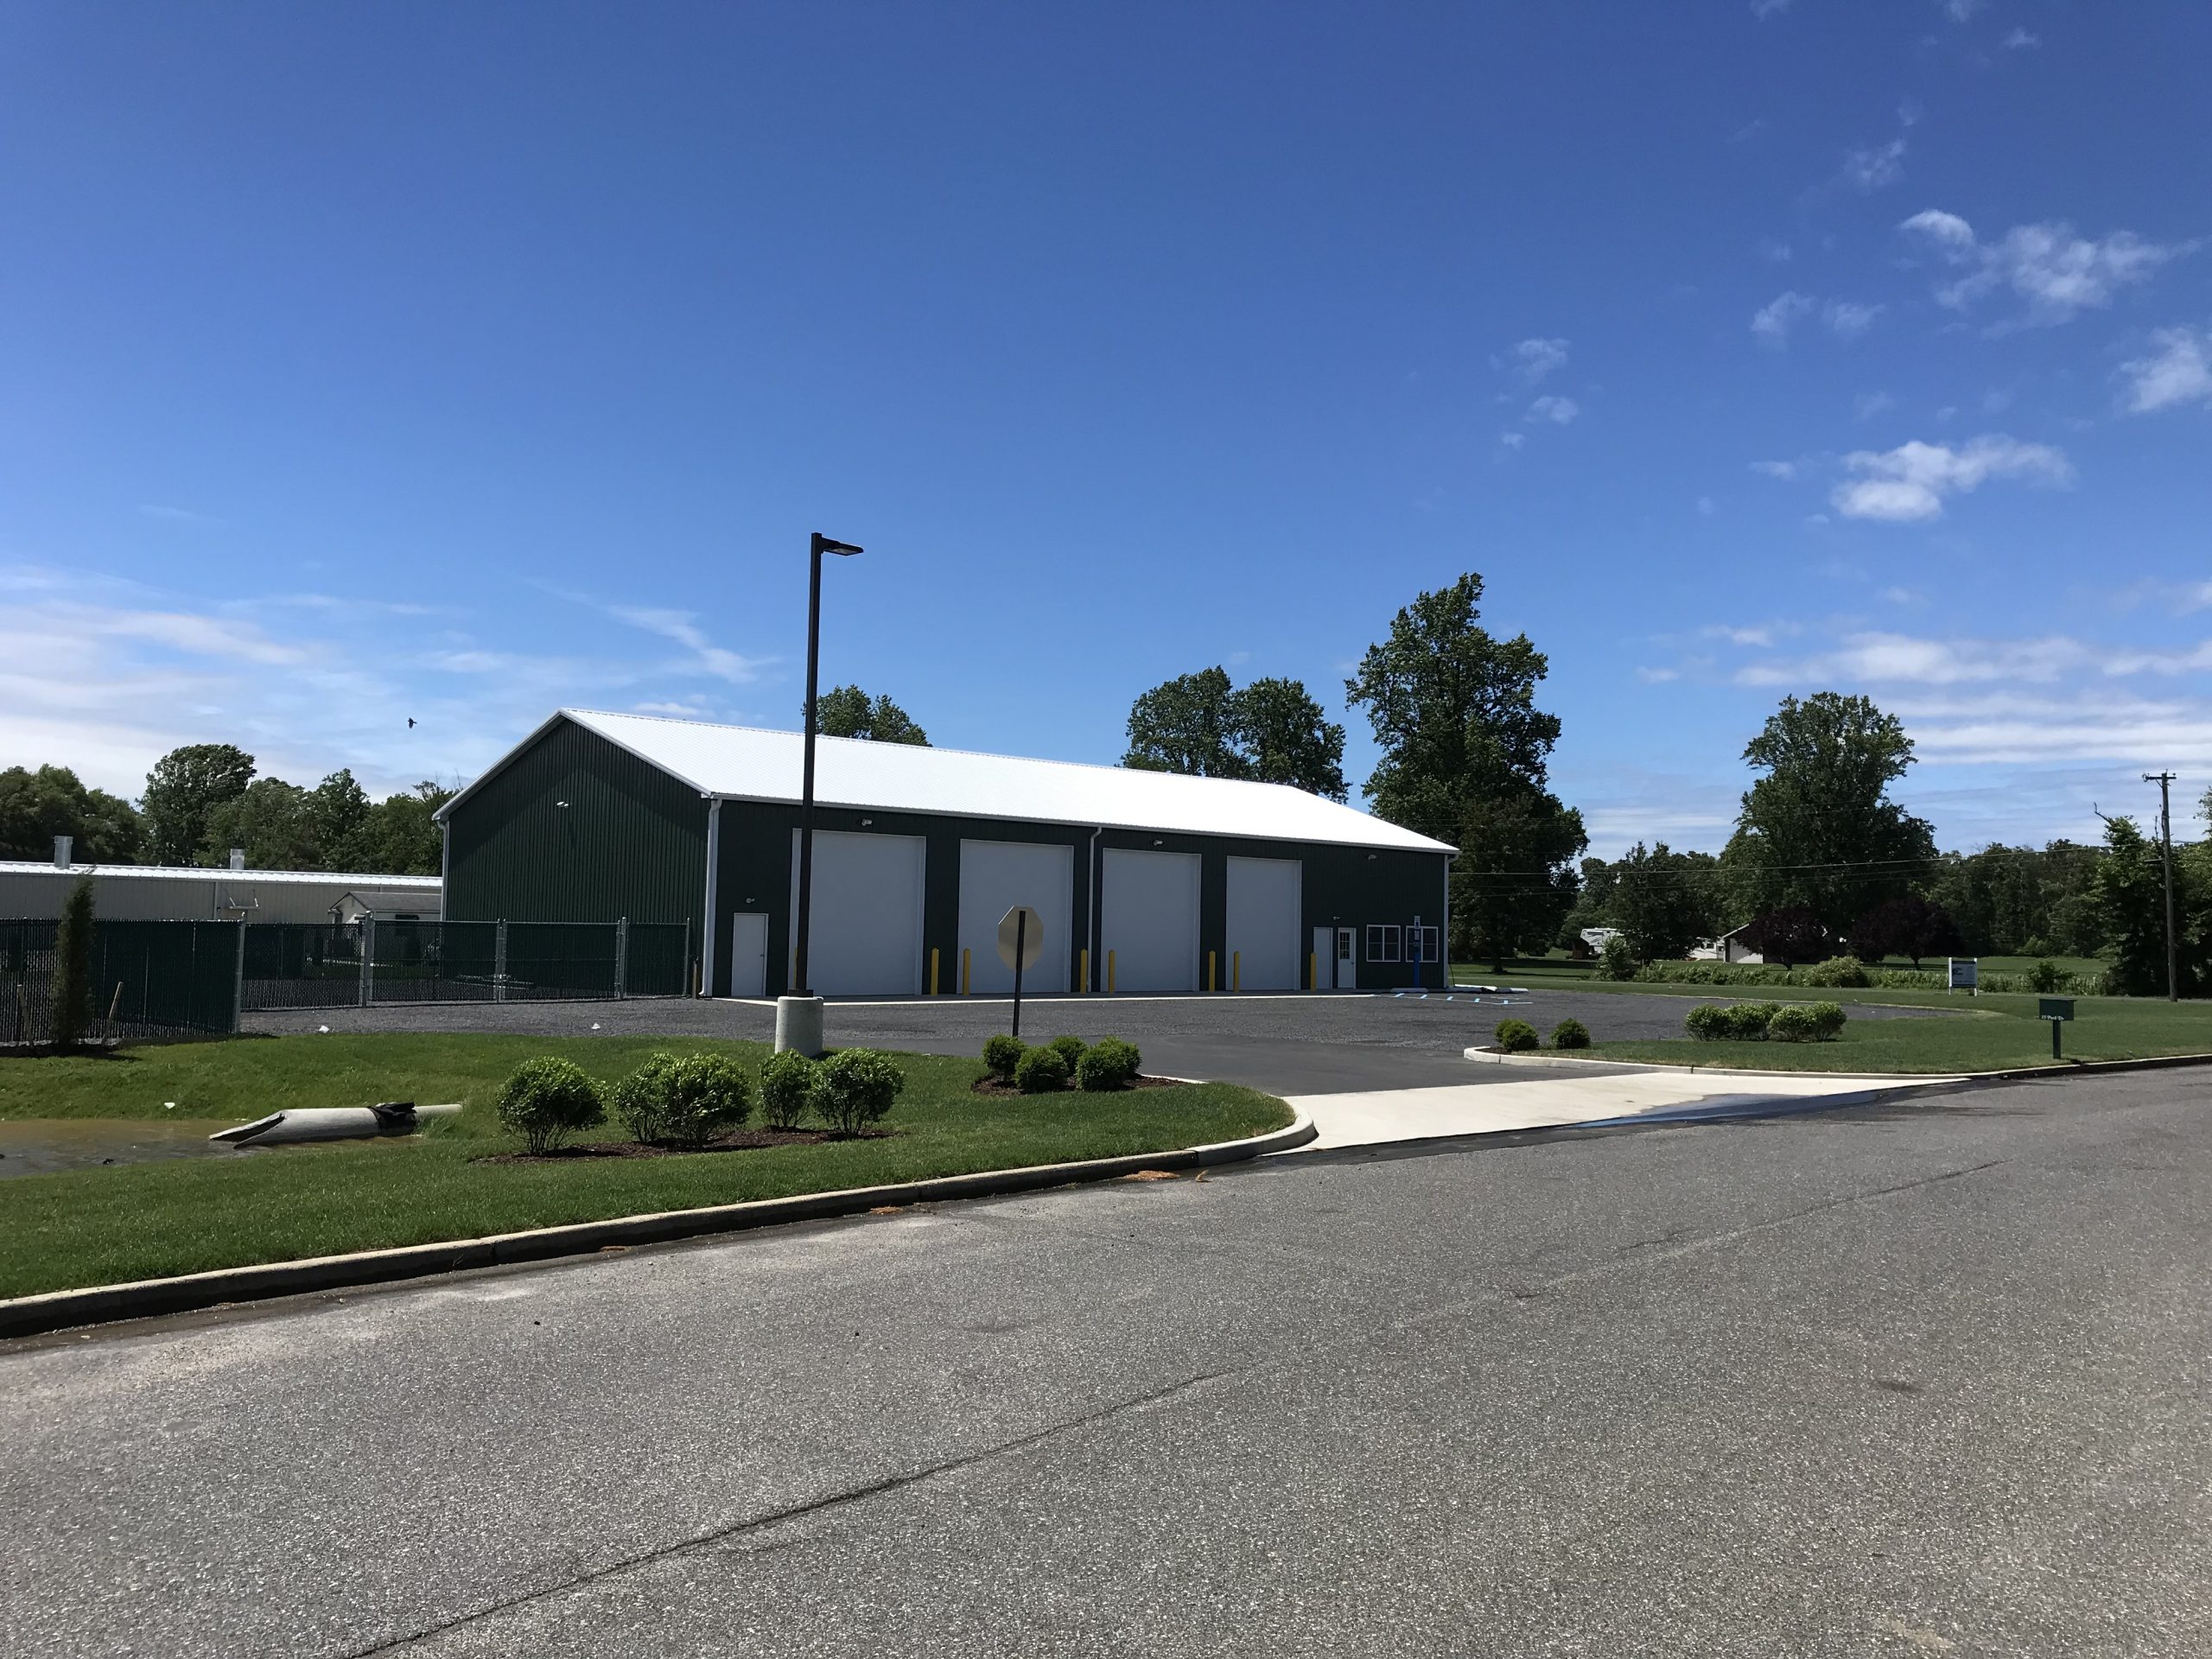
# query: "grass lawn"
2001,1032
138,1221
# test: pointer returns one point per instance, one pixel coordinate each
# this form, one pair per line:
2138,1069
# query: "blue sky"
364,362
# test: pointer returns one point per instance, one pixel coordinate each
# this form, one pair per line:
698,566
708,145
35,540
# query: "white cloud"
2178,371
1557,411
681,626
1870,168
1762,637
1773,322
1909,483
1780,252
1867,404
1764,9
1785,470
1959,10
2055,272
1848,319
1537,359
1658,675
1513,439
1881,658
176,515
2020,40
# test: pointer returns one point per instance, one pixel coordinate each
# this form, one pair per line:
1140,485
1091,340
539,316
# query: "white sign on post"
1965,974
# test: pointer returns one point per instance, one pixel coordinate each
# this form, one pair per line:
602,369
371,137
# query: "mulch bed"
988,1084
743,1140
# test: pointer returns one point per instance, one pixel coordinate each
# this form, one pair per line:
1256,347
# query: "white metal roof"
221,872
751,762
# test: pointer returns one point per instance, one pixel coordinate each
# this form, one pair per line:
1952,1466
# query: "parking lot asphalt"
1286,1045
1923,1378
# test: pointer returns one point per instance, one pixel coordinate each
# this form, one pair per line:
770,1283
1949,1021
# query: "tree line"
203,799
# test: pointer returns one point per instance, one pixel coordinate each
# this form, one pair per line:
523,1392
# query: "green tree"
2130,889
271,820
338,823
401,836
71,1012
36,806
1271,731
1819,830
182,791
1187,725
1465,757
846,711
1663,900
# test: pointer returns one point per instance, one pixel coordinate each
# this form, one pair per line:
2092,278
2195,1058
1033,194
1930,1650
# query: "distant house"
1729,947
35,891
386,905
1593,941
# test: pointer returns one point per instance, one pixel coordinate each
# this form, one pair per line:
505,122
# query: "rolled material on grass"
302,1125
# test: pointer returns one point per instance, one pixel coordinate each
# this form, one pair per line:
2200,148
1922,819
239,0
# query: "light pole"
798,1012
2164,781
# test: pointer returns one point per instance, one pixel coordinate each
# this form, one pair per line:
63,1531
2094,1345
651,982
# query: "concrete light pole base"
799,1025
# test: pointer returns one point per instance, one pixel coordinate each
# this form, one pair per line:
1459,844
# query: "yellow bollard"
932,970
965,954
1083,980
1236,971
1109,973
1210,986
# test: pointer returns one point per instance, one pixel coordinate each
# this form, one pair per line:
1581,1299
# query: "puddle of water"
38,1146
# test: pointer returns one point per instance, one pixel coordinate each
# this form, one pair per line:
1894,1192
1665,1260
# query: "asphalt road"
1931,1377
1286,1045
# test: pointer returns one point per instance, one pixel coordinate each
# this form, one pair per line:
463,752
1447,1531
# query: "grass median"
1992,1033
148,1220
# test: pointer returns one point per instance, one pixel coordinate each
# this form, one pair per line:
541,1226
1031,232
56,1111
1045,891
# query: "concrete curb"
24,1316
2019,1073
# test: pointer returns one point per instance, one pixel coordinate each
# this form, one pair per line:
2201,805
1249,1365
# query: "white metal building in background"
155,892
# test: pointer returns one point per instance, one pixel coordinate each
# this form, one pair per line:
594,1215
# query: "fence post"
368,960
500,960
621,956
238,983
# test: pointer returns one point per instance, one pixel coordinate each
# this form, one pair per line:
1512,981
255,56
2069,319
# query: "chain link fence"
318,965
149,980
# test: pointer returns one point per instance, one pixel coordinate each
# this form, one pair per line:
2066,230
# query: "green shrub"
1001,1053
855,1087
1069,1049
1616,961
1747,1021
641,1098
1042,1071
1570,1034
707,1094
1107,1064
1827,1021
1515,1036
1840,973
72,1012
1707,1022
2047,978
546,1099
786,1088
1795,1023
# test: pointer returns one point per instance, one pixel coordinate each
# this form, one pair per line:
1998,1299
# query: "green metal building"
1146,882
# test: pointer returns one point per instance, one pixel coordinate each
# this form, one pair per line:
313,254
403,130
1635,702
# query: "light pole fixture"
797,1026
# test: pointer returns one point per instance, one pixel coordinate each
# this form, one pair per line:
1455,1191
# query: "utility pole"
2164,781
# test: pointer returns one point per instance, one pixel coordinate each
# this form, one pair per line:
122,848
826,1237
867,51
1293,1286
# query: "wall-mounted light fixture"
563,805
866,822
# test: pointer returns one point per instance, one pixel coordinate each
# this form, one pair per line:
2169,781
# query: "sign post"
1964,973
2058,1010
1021,941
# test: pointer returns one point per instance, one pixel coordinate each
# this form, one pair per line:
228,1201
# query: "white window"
1382,942
1423,940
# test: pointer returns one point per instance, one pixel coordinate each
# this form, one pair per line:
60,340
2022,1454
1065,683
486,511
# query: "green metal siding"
1342,885
631,841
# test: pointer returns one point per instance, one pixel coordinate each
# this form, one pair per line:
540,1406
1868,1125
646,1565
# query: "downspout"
713,896
1444,934
1094,932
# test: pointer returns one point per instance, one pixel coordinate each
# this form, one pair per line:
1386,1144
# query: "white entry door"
1264,897
748,954
1148,919
995,877
866,939
1347,974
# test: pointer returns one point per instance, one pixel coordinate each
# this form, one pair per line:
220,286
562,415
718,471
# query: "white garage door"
866,939
995,877
1263,923
1149,914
